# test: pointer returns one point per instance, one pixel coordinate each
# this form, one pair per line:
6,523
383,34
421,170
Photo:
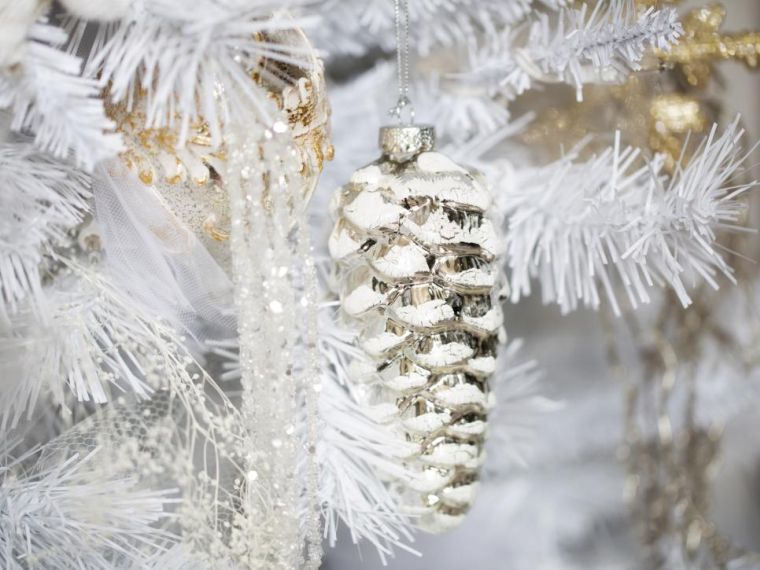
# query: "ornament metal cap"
403,142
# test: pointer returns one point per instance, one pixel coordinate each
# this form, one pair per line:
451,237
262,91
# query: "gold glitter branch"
703,44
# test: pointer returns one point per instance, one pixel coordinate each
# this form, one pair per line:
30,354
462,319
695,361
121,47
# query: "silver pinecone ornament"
415,253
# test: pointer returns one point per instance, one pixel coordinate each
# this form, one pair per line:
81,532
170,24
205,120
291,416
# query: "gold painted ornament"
415,255
188,178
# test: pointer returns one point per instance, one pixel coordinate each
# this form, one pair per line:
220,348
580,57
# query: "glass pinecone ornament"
415,252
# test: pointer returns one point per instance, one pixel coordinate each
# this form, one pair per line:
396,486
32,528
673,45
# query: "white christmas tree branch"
576,47
186,433
609,38
73,515
355,26
40,200
575,225
520,407
184,59
91,340
356,454
353,452
50,100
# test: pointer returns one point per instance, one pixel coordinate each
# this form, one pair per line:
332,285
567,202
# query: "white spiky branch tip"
580,228
575,47
72,513
49,99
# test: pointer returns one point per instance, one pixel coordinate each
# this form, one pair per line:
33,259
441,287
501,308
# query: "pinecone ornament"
415,253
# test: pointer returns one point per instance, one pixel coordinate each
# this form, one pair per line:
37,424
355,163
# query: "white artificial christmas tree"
178,384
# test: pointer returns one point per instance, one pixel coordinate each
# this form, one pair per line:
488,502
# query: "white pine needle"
50,100
40,199
188,61
71,515
575,226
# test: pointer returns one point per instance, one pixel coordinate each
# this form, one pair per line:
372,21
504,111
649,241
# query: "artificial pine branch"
41,198
575,47
50,100
183,60
576,225
73,515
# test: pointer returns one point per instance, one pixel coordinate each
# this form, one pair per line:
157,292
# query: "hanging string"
404,110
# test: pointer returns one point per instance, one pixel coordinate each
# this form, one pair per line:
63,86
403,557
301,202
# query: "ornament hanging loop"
403,111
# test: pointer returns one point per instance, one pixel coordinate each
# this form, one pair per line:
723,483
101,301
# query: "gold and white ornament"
416,262
188,178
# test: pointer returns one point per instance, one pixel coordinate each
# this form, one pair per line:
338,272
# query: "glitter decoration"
704,44
415,254
239,204
275,297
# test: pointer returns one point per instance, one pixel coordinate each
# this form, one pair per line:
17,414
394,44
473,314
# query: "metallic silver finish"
401,143
416,262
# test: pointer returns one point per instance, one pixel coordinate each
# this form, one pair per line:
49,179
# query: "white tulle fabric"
157,259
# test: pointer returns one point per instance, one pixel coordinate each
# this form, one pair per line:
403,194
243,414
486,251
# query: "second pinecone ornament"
416,253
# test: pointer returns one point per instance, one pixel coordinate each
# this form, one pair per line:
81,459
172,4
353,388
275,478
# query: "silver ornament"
415,253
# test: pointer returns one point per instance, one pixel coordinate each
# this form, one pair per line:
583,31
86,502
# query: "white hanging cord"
404,110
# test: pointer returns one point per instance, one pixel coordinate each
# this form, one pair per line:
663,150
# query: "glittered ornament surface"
415,253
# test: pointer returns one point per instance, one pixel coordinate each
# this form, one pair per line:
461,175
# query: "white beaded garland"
276,300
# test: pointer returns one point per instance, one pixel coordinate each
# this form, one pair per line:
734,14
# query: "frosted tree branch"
576,47
40,200
91,341
184,59
576,225
72,515
49,99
